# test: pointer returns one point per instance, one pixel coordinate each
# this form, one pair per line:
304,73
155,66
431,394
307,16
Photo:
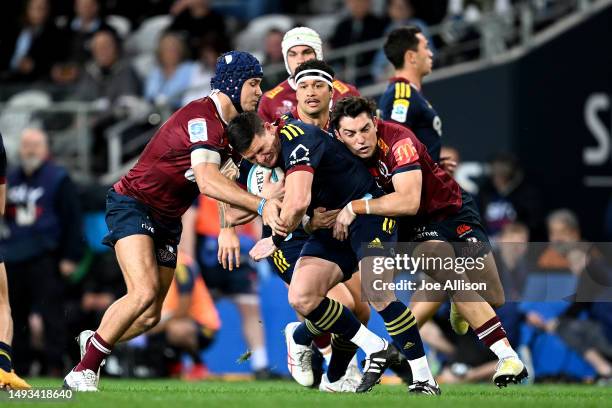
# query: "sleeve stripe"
199,156
301,167
203,146
404,169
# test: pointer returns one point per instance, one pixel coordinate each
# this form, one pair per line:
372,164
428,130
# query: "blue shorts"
283,259
464,226
373,230
240,281
126,216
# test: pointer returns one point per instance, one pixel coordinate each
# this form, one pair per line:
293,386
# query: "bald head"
33,149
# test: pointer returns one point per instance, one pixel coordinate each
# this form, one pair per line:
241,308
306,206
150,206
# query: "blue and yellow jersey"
339,176
404,104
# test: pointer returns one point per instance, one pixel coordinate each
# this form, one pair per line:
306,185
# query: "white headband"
314,74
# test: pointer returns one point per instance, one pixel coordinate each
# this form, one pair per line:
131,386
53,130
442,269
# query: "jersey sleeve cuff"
406,168
301,167
204,155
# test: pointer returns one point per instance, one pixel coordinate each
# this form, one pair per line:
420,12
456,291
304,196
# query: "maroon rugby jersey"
399,150
281,99
163,179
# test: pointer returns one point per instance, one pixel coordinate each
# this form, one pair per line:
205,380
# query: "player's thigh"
314,277
136,257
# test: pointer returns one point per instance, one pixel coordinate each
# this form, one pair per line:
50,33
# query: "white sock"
326,353
503,349
420,370
259,358
368,341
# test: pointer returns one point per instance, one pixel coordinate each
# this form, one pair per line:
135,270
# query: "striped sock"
97,351
403,329
342,352
493,335
5,357
330,316
305,333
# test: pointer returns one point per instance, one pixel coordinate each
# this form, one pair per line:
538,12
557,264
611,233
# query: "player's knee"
144,297
303,303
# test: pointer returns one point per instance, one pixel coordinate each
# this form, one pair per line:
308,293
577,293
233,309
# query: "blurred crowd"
127,57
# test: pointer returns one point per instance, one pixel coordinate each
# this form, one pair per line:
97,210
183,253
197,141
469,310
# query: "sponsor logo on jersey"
166,254
463,229
340,87
376,243
273,92
286,106
299,155
197,130
399,113
404,152
383,170
437,125
383,146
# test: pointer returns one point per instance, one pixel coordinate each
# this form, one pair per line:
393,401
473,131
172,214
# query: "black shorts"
241,281
373,230
464,226
126,216
283,260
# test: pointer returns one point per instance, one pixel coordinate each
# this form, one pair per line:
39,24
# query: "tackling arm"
215,185
405,200
298,185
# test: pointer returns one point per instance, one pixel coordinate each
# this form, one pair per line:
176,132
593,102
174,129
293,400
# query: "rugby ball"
257,175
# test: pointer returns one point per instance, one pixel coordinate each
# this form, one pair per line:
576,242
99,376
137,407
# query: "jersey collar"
292,83
399,79
214,96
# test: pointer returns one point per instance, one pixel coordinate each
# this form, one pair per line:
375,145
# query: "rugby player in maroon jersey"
435,209
300,44
144,208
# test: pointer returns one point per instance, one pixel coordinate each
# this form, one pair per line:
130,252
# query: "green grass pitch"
286,394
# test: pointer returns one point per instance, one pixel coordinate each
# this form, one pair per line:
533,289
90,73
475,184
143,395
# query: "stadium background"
531,78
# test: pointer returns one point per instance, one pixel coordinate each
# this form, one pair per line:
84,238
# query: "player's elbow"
411,206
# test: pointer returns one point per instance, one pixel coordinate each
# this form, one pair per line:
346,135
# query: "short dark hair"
398,42
242,129
314,64
352,107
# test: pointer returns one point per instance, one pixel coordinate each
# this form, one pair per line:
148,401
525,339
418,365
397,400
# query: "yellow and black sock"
330,316
343,351
403,329
5,357
305,333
